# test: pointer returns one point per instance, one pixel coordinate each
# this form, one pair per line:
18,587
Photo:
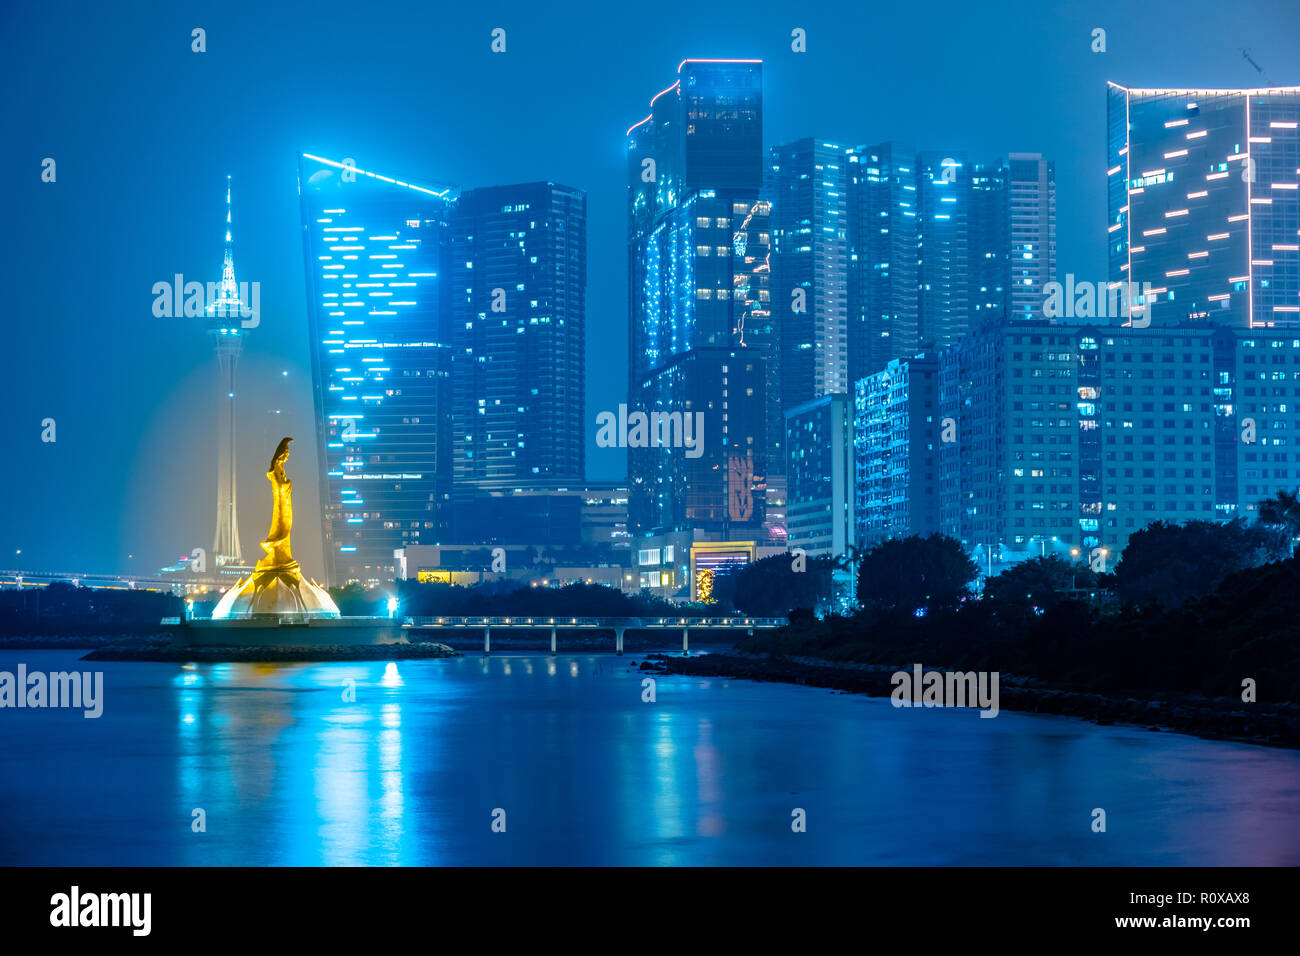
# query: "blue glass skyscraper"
1204,202
377,318
699,269
517,280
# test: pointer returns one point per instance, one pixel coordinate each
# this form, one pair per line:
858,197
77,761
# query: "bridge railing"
630,623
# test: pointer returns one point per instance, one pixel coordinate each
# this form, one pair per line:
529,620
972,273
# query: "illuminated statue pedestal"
276,606
275,591
291,630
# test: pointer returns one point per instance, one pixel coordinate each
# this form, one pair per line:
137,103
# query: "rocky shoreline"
1213,718
80,642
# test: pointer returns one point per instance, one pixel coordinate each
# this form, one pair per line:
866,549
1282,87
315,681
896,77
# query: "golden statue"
276,585
276,545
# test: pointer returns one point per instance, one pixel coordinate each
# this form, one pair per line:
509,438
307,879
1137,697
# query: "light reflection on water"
289,769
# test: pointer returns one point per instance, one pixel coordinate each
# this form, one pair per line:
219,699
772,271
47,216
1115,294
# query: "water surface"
288,771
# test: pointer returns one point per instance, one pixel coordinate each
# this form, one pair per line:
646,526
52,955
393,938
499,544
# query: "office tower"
694,173
377,316
883,257
807,183
226,329
713,480
1031,218
896,435
820,480
517,281
698,269
1203,202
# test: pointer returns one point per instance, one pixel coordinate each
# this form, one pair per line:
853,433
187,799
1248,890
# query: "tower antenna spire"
227,335
228,302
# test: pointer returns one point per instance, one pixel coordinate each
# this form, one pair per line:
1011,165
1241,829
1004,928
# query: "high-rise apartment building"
883,257
1078,436
820,475
807,183
939,245
945,303
896,435
1031,221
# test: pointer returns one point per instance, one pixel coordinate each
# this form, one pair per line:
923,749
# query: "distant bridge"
618,625
82,579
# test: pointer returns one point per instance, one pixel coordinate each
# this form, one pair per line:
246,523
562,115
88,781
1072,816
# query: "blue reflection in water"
404,763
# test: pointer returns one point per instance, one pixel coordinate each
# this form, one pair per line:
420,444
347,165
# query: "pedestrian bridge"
617,625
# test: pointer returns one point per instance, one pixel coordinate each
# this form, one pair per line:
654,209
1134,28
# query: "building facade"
939,245
701,329
820,476
1078,436
1202,188
517,277
708,473
896,437
1031,221
377,320
883,257
807,183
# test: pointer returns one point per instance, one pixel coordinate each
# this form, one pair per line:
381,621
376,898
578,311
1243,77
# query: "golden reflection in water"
341,764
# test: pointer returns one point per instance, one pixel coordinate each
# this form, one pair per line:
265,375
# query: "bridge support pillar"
751,632
618,640
686,640
487,640
552,640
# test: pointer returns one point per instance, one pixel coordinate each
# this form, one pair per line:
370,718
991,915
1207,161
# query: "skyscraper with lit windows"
699,244
378,322
517,280
1203,189
883,257
1031,221
807,183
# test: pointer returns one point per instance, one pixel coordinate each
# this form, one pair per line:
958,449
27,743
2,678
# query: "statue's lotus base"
274,592
289,630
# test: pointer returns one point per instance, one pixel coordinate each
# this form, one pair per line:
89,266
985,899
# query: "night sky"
144,132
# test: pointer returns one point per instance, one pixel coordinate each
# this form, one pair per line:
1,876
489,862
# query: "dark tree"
771,587
509,598
907,574
1166,563
1282,511
353,600
1041,582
